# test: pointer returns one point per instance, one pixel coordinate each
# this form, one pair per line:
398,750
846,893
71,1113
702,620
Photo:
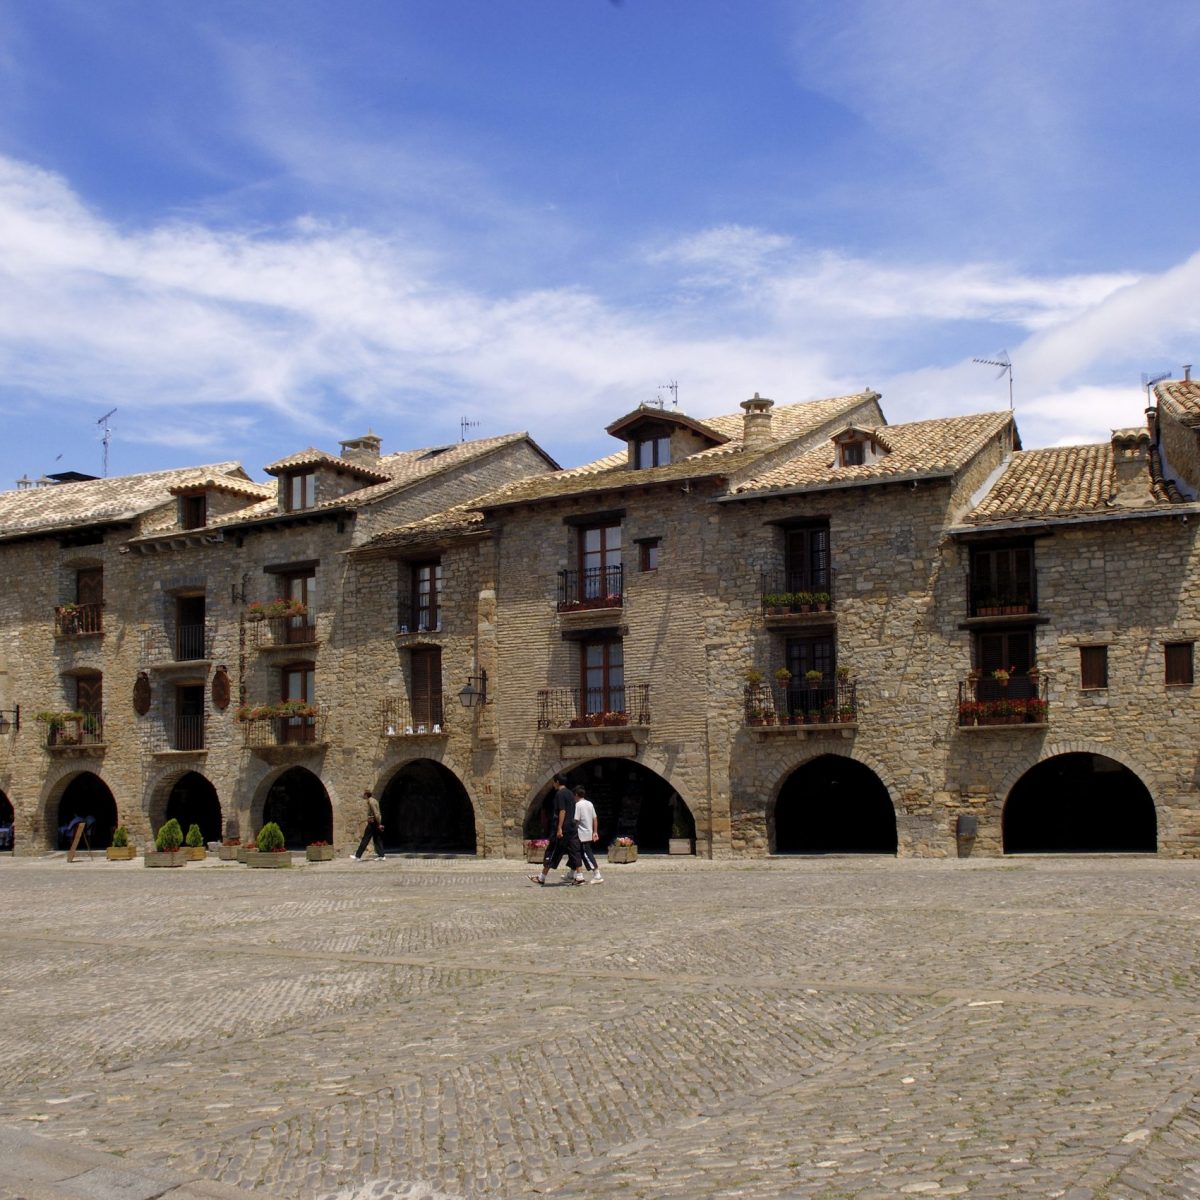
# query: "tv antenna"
673,388
463,426
107,436
1005,364
1148,381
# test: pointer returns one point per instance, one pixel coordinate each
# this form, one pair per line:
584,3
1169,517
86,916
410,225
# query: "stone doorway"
7,823
833,805
299,804
1079,804
86,795
426,810
193,801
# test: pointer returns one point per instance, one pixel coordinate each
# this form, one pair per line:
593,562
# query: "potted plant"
623,850
821,601
801,601
1002,675
270,848
783,677
62,728
753,676
120,850
813,678
776,603
193,844
318,852
843,674
166,852
535,849
1035,711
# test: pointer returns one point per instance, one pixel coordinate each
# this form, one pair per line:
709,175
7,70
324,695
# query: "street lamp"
472,695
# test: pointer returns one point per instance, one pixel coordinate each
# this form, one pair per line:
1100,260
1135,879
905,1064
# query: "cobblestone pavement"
438,1030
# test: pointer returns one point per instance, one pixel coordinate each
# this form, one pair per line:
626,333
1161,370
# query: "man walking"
587,825
564,838
373,830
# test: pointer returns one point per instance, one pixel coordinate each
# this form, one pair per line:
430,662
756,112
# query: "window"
89,599
1093,666
1002,580
852,454
427,591
193,511
189,717
301,586
298,682
806,559
653,452
649,548
189,628
603,677
425,694
1010,650
600,562
300,490
1179,664
89,700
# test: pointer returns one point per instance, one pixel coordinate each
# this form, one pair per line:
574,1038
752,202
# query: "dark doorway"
299,804
87,795
7,820
834,805
426,810
630,800
193,801
1081,803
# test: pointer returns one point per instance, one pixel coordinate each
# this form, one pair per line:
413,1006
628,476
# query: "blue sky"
254,227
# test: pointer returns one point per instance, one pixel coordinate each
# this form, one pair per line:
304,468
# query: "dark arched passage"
87,795
834,805
1081,803
7,818
426,810
299,804
630,800
193,801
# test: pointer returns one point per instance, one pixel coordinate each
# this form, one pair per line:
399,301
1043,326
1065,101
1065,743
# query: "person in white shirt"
588,826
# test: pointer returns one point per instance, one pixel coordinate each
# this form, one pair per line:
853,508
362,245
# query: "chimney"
756,425
1131,467
1187,372
362,448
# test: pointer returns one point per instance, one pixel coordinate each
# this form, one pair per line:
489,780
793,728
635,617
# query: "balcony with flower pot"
419,718
284,731
787,603
594,722
73,733
78,620
282,624
804,707
594,597
1003,700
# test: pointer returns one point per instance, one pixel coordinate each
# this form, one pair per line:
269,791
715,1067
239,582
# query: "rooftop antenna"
463,426
1148,381
673,388
1005,364
107,436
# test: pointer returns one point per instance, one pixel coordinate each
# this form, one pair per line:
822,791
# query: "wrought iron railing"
1017,700
285,731
591,708
86,729
801,702
594,587
72,620
985,602
787,592
286,631
185,643
400,717
189,732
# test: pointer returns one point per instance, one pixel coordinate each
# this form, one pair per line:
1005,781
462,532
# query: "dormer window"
858,447
652,452
852,454
193,511
299,490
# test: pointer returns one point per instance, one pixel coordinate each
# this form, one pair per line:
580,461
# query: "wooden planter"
622,854
318,853
228,853
243,851
268,858
679,846
194,853
165,858
534,854
120,853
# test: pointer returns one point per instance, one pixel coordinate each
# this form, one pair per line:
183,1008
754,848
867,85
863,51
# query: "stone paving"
444,1029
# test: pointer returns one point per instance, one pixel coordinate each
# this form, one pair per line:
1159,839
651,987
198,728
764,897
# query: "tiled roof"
940,446
319,458
94,501
452,523
1181,398
207,482
613,472
1067,481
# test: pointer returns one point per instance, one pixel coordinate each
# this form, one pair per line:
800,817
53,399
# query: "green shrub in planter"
120,837
170,836
270,837
194,838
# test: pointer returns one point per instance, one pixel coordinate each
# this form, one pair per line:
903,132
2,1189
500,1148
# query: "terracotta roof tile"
1181,398
319,458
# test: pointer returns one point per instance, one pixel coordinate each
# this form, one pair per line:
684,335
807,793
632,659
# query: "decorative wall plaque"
141,694
220,688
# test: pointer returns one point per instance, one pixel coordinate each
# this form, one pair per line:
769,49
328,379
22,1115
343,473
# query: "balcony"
183,735
786,603
284,633
799,708
991,703
184,646
73,732
593,723
78,620
591,589
278,732
419,718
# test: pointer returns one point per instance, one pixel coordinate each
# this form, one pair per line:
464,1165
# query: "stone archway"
299,804
833,804
426,810
1079,802
193,801
85,795
631,800
7,823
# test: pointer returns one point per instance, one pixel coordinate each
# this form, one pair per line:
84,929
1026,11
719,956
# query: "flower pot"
679,845
318,853
120,853
534,853
622,854
194,853
268,858
228,853
165,858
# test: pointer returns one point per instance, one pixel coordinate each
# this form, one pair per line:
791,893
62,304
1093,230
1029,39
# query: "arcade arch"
192,800
426,810
84,795
298,803
833,804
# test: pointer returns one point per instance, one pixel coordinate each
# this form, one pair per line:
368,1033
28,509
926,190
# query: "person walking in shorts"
587,825
564,839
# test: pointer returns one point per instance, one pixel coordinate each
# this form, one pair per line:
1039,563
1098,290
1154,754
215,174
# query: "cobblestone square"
439,1029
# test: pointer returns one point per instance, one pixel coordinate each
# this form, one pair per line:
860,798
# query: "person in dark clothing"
564,838
373,830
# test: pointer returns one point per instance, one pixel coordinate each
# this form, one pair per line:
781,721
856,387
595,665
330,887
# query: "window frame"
649,553
610,681
304,481
1179,664
426,596
1093,665
193,511
807,559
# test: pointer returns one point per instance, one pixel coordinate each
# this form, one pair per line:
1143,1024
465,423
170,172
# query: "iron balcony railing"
401,717
86,729
787,592
1018,700
590,708
72,620
800,702
594,587
189,732
985,602
285,731
184,643
286,631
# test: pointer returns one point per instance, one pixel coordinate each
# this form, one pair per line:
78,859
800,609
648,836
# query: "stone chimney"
362,449
756,425
1131,467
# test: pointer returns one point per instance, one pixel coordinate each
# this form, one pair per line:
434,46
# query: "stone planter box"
622,854
243,851
194,853
679,846
534,854
228,853
319,853
268,858
165,858
120,853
